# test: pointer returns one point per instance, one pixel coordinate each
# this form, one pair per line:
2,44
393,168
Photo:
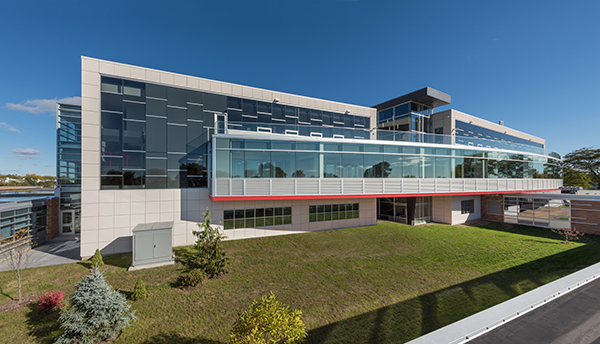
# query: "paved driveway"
572,318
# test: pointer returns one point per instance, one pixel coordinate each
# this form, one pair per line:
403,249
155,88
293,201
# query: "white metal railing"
373,186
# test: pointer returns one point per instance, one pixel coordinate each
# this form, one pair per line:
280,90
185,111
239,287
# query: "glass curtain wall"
239,158
68,156
68,143
155,136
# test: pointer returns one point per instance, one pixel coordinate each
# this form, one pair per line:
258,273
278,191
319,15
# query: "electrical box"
152,245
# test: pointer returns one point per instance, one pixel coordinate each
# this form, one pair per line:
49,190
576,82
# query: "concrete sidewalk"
61,250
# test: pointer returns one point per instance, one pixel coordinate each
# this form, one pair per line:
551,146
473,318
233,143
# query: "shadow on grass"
168,338
412,318
42,325
534,232
6,293
117,260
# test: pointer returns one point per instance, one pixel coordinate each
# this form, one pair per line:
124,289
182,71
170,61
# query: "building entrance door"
67,222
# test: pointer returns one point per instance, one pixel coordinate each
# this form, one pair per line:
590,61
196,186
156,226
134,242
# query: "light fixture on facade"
276,100
347,111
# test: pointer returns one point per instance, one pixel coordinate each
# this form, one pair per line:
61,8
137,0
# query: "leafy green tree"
573,177
268,321
585,160
96,312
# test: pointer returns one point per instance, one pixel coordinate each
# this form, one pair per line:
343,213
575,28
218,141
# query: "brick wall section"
585,216
53,213
484,210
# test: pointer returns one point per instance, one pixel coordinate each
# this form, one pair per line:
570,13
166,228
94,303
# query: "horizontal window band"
153,98
109,92
132,101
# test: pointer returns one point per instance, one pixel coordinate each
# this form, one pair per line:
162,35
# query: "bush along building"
163,147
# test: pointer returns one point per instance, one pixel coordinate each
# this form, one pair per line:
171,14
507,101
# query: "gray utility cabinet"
152,244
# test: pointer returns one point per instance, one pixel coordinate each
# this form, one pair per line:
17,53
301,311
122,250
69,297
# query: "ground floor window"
396,209
423,210
467,206
332,212
541,212
392,209
261,217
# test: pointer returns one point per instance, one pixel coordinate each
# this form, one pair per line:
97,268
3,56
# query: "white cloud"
24,154
9,127
42,106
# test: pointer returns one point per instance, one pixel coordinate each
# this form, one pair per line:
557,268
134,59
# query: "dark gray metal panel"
426,96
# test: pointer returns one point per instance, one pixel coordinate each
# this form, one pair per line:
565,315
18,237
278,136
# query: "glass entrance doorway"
67,222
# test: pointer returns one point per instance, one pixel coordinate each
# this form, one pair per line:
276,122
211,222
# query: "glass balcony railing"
374,134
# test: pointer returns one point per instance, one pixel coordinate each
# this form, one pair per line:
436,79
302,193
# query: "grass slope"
387,283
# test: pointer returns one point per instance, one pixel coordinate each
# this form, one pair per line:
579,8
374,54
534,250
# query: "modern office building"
158,146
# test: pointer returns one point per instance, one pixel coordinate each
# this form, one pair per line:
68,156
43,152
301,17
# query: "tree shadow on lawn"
413,318
42,325
535,232
119,260
167,338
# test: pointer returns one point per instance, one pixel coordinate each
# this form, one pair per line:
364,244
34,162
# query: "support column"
411,209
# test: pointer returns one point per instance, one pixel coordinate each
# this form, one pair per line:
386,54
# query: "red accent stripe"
261,198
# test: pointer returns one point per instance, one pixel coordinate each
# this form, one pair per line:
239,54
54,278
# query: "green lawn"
384,283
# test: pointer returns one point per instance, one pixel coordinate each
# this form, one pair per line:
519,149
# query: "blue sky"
532,64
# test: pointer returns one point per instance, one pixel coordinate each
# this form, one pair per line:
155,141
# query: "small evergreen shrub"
96,260
139,291
96,312
211,257
192,278
268,321
51,300
206,255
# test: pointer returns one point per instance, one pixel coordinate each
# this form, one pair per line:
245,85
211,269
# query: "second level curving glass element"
254,158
